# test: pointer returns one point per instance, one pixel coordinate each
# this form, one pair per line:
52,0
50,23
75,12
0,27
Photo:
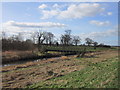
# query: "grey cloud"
35,25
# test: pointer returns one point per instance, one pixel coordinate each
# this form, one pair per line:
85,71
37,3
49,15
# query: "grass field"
97,75
94,70
77,48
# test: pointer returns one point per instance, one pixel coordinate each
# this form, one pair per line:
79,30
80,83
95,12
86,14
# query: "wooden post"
81,54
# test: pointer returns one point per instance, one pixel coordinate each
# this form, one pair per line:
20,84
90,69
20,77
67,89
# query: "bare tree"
88,41
3,35
95,44
15,42
49,37
76,40
41,37
34,37
62,39
20,36
66,38
68,32
101,44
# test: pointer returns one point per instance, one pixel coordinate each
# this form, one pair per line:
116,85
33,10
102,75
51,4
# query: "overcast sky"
98,21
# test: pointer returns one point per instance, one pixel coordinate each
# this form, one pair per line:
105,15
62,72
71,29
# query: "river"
25,61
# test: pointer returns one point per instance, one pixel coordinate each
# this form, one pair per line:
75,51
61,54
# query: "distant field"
88,48
98,75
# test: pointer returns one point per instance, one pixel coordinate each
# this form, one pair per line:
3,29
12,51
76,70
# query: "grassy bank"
15,56
12,56
96,75
63,71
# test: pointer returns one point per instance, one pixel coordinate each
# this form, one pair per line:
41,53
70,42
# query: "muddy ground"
20,76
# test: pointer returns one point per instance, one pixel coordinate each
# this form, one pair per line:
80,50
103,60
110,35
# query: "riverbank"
24,56
20,76
13,56
21,57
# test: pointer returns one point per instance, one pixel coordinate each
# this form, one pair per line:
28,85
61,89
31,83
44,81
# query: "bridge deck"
66,49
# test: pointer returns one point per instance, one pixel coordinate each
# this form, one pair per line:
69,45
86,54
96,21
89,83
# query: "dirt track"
19,76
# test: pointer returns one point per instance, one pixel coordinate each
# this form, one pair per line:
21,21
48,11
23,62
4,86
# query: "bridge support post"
81,54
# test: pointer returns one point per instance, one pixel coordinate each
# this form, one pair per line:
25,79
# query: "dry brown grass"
64,58
9,56
46,69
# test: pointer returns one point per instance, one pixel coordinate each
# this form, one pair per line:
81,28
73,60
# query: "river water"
22,62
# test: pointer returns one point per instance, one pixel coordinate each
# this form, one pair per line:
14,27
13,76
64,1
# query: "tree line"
16,42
